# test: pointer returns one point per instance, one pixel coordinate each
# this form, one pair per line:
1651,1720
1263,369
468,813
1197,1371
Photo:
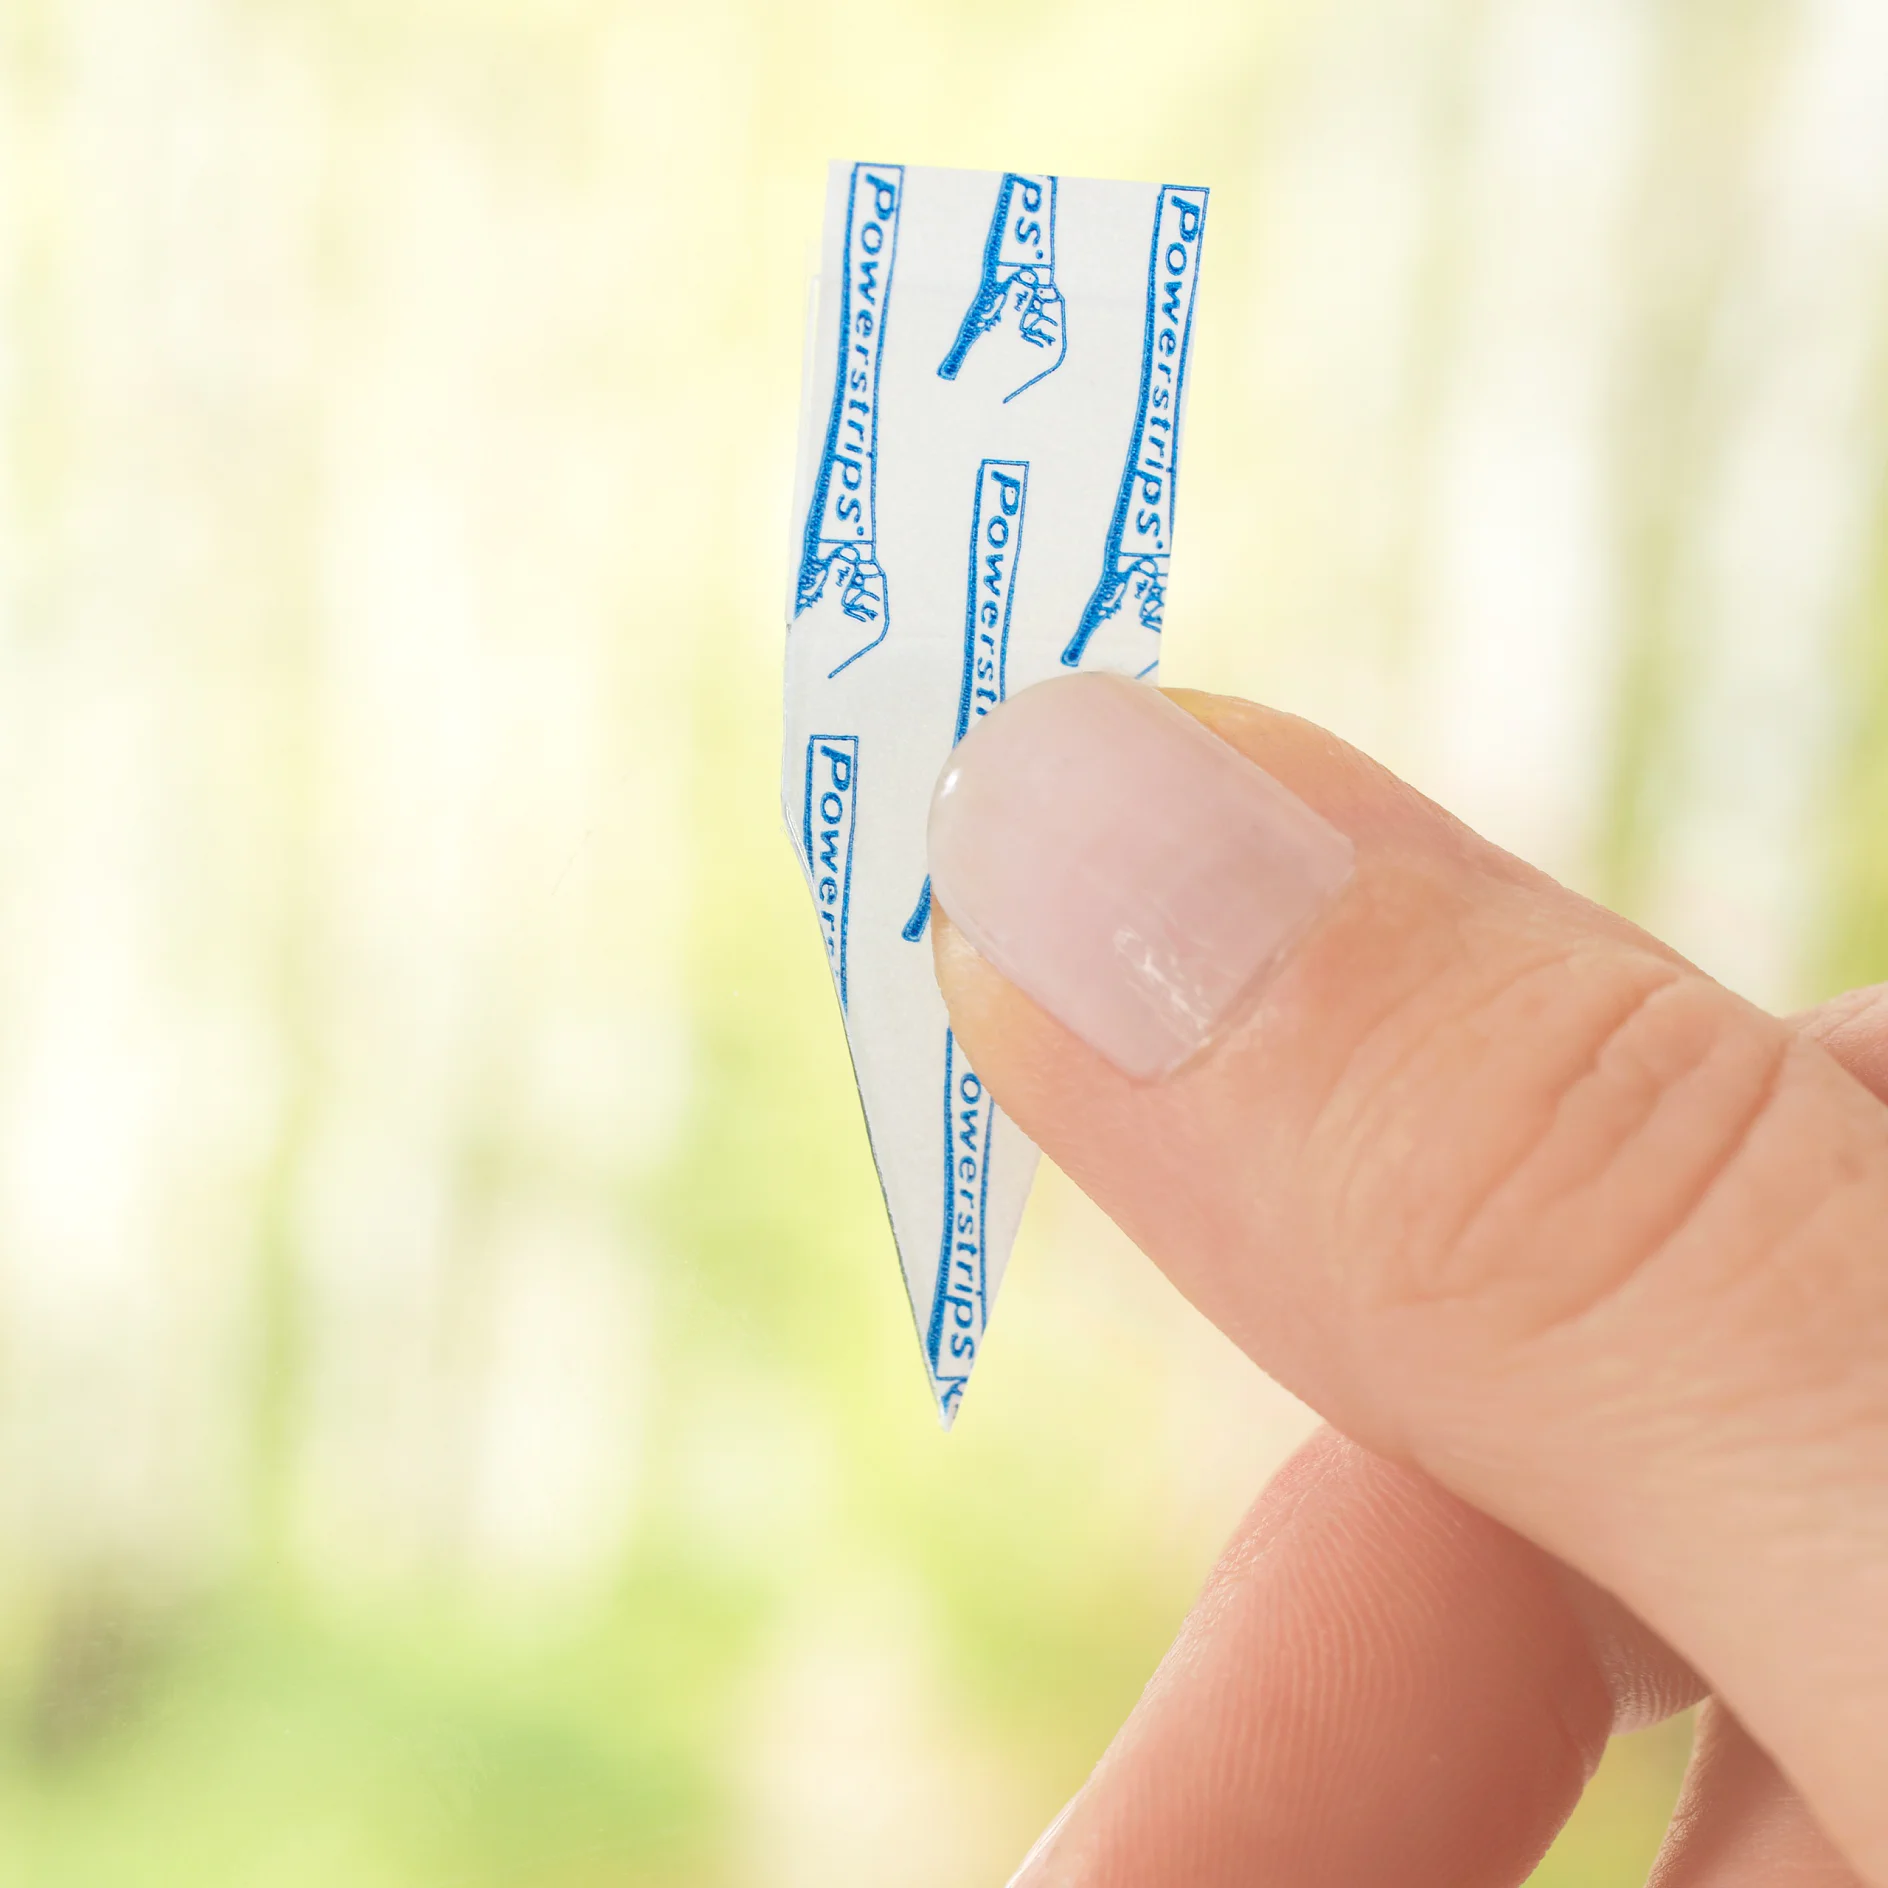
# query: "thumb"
1503,1187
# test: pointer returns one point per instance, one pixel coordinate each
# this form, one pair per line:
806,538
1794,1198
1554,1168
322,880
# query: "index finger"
1500,1185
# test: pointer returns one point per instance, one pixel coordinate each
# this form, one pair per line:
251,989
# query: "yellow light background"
459,1422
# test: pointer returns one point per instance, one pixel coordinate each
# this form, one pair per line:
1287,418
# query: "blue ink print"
832,776
1017,290
960,1302
840,580
913,933
996,546
1140,539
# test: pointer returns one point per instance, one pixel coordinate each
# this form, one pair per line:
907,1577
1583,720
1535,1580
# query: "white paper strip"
988,447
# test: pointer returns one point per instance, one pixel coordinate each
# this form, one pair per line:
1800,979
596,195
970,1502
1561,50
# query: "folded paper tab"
989,441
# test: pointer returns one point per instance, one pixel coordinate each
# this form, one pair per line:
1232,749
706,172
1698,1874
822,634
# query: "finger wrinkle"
1447,1135
1632,1161
1363,1120
1453,1278
1686,1206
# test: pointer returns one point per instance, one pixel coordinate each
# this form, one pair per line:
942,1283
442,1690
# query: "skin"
1585,1261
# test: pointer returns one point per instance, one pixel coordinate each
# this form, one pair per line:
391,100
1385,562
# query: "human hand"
1120,630
842,611
1014,335
1586,1256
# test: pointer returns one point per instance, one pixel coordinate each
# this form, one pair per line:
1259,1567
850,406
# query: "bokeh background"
458,1417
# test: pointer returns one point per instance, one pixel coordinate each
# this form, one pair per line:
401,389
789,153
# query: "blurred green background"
458,1417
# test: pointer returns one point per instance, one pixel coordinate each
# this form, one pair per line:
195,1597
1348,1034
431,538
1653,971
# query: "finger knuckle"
1553,1136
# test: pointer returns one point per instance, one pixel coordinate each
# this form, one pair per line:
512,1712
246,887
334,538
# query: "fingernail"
1128,871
